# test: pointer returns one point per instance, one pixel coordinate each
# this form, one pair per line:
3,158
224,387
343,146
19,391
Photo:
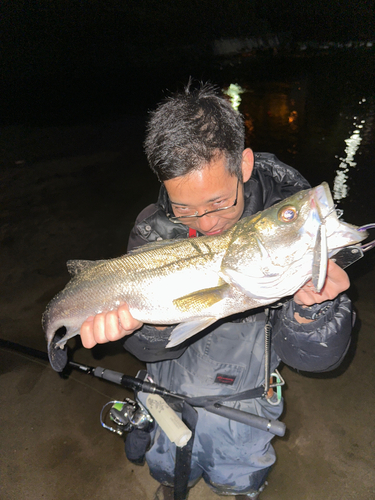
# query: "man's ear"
247,164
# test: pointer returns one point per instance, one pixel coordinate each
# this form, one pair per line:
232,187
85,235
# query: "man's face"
207,189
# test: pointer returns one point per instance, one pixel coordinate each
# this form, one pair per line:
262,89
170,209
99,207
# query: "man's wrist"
314,311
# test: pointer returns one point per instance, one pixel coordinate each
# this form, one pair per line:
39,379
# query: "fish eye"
287,214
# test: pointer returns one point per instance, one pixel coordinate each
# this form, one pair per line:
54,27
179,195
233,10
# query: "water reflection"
234,92
360,134
273,114
340,183
323,130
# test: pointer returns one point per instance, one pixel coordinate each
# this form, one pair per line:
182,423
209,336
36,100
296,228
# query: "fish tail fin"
70,333
58,357
57,350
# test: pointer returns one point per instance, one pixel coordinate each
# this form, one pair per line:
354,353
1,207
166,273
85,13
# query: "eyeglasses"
194,216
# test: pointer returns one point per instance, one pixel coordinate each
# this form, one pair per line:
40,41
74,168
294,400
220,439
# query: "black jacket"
317,346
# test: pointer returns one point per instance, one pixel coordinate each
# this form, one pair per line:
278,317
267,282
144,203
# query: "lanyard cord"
267,351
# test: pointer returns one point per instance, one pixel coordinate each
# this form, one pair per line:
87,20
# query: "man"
194,144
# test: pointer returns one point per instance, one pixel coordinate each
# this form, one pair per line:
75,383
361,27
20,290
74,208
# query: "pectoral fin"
202,299
185,330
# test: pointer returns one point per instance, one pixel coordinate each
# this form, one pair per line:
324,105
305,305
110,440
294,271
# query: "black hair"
192,128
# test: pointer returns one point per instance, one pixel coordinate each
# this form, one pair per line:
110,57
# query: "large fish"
194,282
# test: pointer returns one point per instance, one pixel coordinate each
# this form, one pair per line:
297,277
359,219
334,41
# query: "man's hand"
337,281
108,326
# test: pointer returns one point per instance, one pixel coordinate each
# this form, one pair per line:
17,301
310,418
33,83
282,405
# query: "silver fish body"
194,282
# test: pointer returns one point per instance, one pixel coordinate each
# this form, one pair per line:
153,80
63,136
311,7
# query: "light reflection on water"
324,130
273,113
234,92
340,183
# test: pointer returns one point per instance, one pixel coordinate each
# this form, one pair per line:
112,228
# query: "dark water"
315,113
320,121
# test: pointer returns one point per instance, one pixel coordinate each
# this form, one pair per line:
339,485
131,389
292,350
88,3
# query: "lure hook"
370,244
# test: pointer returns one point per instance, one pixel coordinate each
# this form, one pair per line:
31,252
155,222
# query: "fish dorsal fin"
153,245
202,299
77,266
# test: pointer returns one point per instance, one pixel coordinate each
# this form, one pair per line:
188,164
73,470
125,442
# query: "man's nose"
206,223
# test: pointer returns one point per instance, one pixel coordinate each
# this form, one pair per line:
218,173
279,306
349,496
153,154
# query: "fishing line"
47,365
24,356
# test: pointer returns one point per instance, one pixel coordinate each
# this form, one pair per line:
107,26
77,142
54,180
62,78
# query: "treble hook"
370,244
346,256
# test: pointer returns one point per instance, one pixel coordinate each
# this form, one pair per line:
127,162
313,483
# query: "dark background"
64,61
76,83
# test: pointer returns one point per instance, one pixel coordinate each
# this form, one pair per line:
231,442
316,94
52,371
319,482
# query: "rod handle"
265,424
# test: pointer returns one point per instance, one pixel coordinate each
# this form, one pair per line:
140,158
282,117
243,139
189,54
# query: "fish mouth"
323,200
340,233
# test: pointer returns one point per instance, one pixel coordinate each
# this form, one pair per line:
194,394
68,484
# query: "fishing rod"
213,404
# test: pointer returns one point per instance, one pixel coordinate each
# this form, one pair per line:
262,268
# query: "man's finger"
112,327
99,328
128,323
87,333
